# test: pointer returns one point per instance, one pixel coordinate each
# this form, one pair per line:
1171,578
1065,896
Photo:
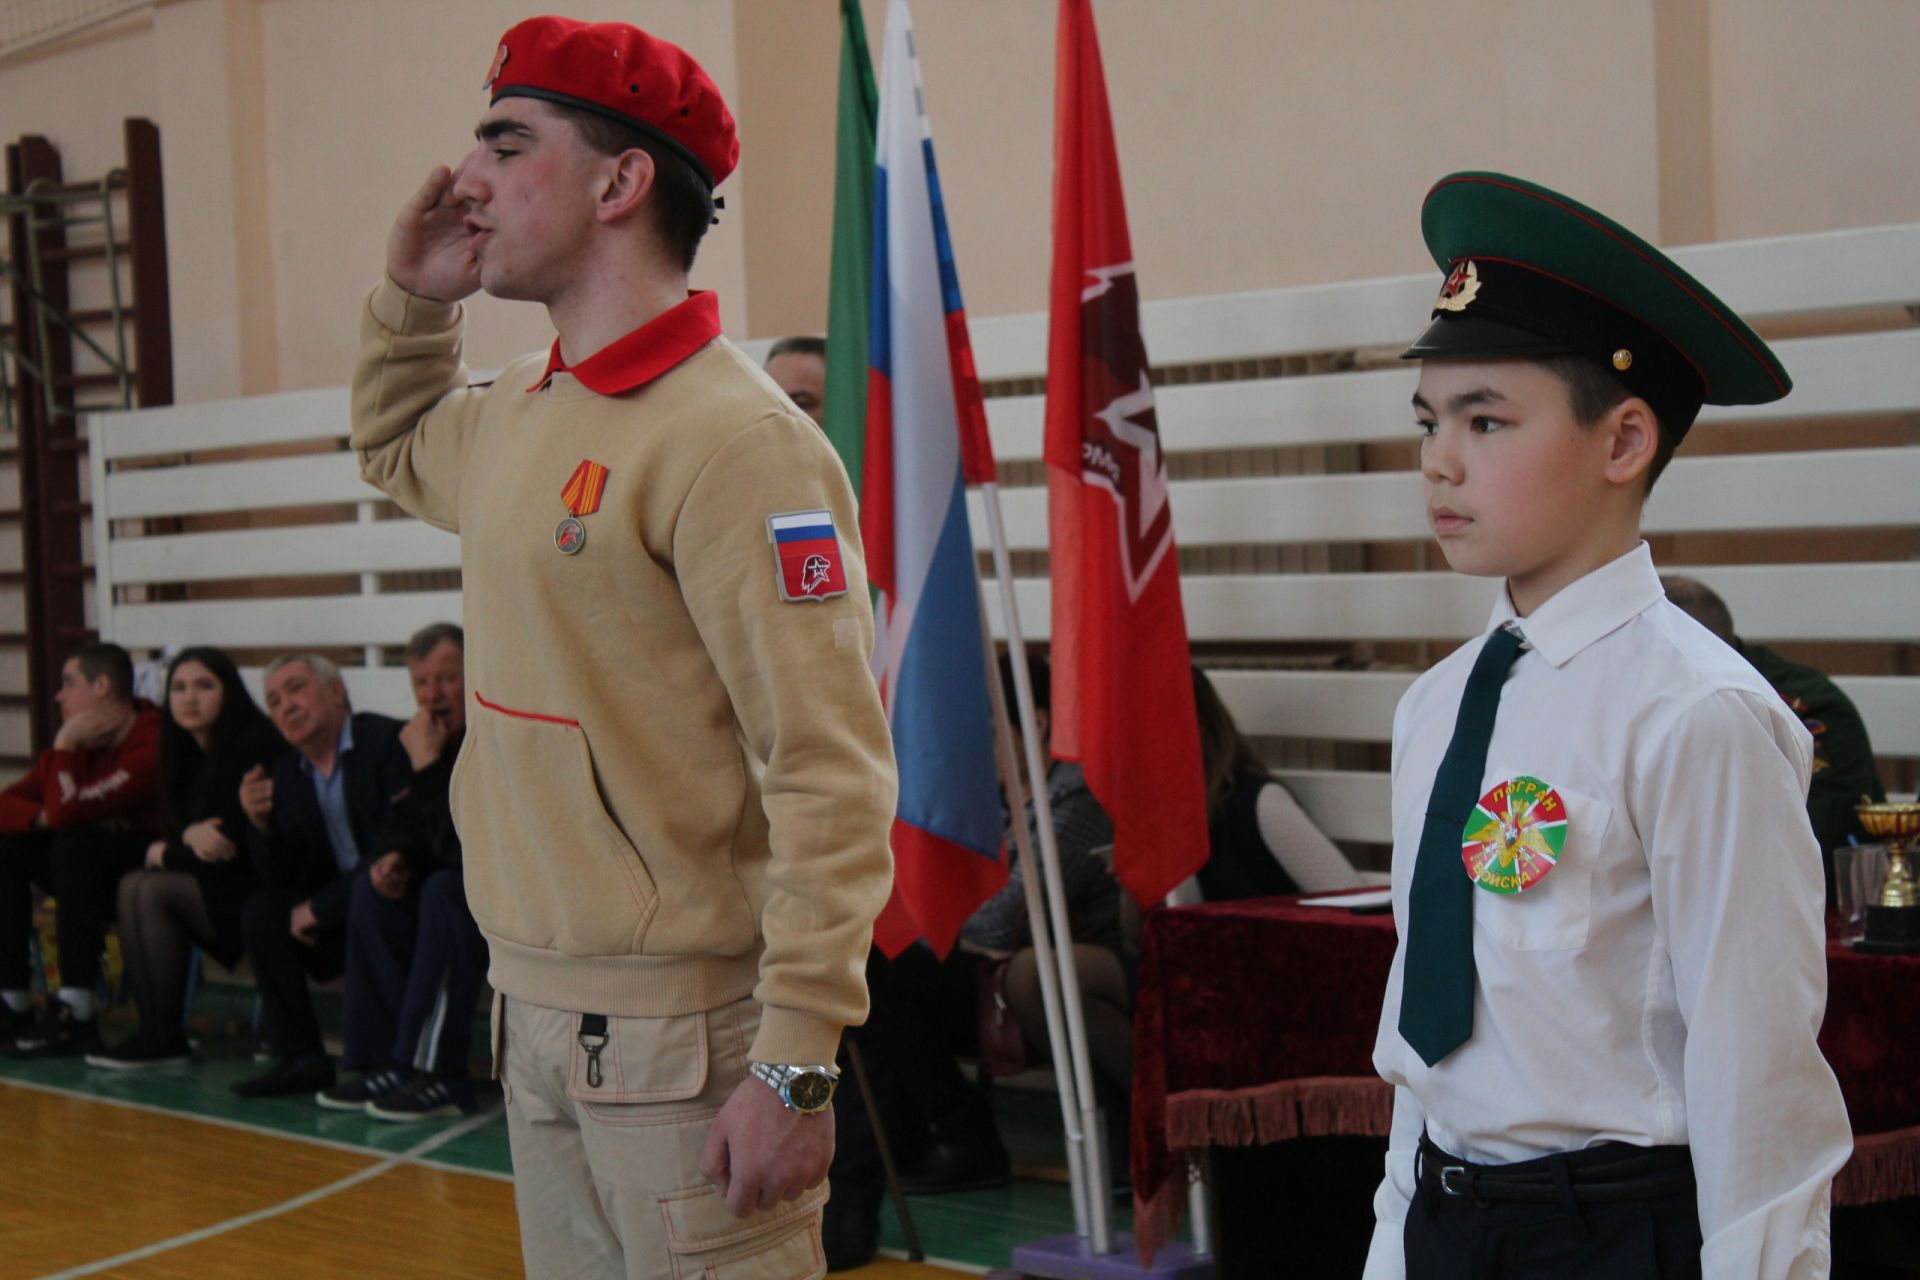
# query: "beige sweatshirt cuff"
403,312
794,1038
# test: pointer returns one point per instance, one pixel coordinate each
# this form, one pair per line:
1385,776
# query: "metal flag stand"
1092,1252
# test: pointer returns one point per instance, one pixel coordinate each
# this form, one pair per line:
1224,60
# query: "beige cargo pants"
607,1175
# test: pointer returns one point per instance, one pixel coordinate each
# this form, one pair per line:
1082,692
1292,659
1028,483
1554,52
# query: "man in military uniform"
1843,767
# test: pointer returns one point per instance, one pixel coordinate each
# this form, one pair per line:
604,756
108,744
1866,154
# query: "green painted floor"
977,1228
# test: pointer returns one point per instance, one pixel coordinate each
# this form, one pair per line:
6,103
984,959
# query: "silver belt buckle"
1446,1180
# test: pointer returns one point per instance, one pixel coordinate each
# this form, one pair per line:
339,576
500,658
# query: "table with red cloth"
1255,1021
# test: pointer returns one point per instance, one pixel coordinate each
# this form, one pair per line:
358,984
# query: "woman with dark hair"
194,884
1262,842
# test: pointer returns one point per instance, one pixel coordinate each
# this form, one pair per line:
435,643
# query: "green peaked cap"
1532,272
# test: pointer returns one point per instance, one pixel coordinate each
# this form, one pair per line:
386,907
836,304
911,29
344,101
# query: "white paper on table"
1372,898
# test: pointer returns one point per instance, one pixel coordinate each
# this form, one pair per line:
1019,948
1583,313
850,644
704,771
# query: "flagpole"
1010,768
1092,1165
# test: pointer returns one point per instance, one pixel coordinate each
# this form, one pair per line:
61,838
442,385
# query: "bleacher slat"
1834,377
381,546
305,622
1735,492
304,481
1873,601
1357,706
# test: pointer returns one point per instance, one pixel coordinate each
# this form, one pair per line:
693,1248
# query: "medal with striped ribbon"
582,496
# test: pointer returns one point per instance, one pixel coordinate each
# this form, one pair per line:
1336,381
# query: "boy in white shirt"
1600,1023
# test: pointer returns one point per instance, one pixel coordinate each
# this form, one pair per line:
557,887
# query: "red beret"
624,74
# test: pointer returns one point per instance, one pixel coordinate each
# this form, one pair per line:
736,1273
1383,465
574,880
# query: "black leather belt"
1607,1174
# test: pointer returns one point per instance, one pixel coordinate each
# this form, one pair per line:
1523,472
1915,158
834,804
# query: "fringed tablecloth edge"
1316,1106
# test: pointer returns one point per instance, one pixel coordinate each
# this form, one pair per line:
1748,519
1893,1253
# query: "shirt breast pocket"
1554,913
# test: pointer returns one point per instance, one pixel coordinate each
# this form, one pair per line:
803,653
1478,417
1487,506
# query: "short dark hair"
798,345
682,201
1701,603
432,636
1039,678
102,658
1592,391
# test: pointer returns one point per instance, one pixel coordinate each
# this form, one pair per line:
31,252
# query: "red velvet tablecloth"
1255,1021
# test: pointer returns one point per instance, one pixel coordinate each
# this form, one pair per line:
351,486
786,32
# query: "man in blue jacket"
313,830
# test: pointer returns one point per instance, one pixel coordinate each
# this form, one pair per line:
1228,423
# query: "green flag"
848,288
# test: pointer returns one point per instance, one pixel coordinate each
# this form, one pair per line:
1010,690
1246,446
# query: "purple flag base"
1071,1257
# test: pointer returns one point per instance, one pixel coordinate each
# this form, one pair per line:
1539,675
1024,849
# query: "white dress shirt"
1664,983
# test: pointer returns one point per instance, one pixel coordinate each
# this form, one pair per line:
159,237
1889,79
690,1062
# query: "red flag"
1122,688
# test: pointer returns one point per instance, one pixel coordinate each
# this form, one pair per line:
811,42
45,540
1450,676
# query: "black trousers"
81,868
1458,1238
924,1013
414,970
282,964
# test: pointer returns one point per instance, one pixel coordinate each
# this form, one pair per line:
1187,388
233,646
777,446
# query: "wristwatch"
806,1089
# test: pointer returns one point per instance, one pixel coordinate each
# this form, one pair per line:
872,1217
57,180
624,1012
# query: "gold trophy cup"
1893,923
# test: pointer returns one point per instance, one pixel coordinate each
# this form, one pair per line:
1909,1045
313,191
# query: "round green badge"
1514,836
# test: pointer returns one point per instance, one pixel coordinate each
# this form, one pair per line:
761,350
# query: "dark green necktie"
1436,989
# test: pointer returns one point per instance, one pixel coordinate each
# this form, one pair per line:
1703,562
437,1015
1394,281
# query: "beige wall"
1262,144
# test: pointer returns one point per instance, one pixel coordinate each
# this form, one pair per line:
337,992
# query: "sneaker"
140,1052
288,1075
59,1035
425,1097
354,1095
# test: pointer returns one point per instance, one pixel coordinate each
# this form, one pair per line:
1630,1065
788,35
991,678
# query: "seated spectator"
1843,766
1000,930
73,826
799,366
196,878
1260,841
415,958
313,832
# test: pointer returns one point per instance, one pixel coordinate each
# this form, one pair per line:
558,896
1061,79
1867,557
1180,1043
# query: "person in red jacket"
74,825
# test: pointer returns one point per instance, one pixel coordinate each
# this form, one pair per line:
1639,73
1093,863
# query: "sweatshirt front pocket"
546,864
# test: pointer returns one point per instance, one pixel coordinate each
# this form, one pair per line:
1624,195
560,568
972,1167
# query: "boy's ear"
627,182
1632,431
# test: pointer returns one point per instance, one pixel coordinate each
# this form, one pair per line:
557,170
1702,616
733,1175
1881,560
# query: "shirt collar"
1584,611
646,353
340,748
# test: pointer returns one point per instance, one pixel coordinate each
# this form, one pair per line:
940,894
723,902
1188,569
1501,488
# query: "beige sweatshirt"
676,787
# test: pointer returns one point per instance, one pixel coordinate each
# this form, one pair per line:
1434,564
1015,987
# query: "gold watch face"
810,1090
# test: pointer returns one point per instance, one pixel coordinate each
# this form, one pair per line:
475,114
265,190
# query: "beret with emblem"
1531,272
622,73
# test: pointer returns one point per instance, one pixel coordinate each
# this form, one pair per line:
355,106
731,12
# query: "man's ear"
628,177
1632,431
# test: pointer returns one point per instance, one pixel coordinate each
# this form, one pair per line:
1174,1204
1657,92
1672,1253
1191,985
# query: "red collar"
647,352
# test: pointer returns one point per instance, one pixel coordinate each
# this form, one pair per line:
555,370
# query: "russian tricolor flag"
926,440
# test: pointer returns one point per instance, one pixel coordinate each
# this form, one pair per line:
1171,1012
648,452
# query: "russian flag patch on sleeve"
806,553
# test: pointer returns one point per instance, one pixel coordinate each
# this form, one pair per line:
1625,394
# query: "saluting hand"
430,250
256,797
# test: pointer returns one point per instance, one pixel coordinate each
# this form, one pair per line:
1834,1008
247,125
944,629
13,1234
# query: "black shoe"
850,1234
354,1095
425,1097
972,1166
59,1035
141,1052
288,1075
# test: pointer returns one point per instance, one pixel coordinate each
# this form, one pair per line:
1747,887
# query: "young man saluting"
677,782
1601,1020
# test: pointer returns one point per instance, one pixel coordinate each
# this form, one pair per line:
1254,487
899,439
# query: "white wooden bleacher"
1844,301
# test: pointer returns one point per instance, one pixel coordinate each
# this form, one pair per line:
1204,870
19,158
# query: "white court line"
415,1155
410,1155
265,1131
